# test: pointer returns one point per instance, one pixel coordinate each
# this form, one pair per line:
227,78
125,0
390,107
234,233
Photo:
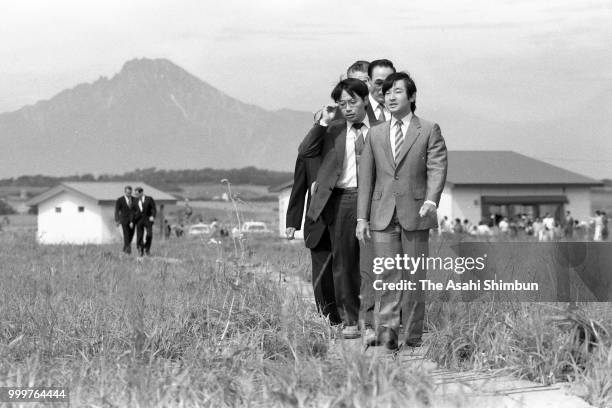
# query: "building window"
58,209
81,208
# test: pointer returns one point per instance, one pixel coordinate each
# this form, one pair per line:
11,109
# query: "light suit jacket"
419,175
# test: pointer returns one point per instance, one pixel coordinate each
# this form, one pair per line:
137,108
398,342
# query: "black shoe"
388,338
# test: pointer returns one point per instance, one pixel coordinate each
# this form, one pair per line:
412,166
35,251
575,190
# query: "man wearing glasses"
338,143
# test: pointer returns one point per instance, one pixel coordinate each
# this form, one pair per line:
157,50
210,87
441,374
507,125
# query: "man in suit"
401,177
144,217
339,143
378,71
316,237
124,217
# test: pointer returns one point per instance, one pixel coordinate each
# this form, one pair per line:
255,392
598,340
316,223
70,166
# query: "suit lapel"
386,131
371,115
340,145
413,132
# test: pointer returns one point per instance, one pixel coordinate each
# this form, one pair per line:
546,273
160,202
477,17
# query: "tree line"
163,179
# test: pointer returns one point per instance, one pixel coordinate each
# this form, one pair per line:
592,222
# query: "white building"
284,192
83,212
480,183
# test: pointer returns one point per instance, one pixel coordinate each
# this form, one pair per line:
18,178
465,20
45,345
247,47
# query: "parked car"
200,229
257,227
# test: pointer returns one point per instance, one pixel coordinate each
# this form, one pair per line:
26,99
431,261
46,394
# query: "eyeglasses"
352,103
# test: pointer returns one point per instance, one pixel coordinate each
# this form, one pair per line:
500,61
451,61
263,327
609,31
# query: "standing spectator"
188,211
167,229
549,227
538,229
467,226
504,226
483,229
604,231
457,227
568,228
598,225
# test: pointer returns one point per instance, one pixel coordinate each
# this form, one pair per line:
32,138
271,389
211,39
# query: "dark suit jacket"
123,211
329,144
370,113
148,210
303,177
419,175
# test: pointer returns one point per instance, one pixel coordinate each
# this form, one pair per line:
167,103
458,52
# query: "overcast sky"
530,76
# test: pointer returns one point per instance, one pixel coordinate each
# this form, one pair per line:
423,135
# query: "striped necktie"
399,139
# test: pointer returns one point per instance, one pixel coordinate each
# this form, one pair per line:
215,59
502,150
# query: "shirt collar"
405,120
365,121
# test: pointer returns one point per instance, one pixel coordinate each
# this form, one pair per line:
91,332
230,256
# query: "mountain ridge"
151,113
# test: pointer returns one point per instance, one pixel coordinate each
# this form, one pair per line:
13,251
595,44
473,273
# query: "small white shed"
83,212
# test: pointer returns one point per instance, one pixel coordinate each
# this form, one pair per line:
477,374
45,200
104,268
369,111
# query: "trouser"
366,290
405,305
323,279
143,243
128,235
345,253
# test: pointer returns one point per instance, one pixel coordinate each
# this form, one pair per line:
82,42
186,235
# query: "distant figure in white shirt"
549,227
504,226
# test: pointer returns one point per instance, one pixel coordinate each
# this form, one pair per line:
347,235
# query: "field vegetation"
213,324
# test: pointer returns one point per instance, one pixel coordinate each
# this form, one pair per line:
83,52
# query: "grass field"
212,325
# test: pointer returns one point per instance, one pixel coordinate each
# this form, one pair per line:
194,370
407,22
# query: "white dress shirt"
348,177
374,104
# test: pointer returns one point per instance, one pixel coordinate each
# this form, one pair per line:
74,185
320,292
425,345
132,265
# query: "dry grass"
540,342
206,325
199,328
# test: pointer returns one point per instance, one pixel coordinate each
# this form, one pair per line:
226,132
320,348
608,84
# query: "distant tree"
165,179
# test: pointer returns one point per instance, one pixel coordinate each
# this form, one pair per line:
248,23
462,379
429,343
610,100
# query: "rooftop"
101,191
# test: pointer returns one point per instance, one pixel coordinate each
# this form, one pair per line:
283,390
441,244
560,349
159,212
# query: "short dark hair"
126,187
139,189
358,66
408,83
352,86
380,63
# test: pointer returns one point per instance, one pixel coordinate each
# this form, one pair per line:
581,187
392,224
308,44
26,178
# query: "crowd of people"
526,226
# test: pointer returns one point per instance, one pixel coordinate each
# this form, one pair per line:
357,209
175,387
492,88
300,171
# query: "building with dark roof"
83,212
505,183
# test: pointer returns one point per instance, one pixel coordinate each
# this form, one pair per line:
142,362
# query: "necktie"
381,117
359,142
140,204
399,139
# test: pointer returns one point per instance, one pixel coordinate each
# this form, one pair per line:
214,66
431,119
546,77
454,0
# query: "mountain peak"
148,64
156,68
152,112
